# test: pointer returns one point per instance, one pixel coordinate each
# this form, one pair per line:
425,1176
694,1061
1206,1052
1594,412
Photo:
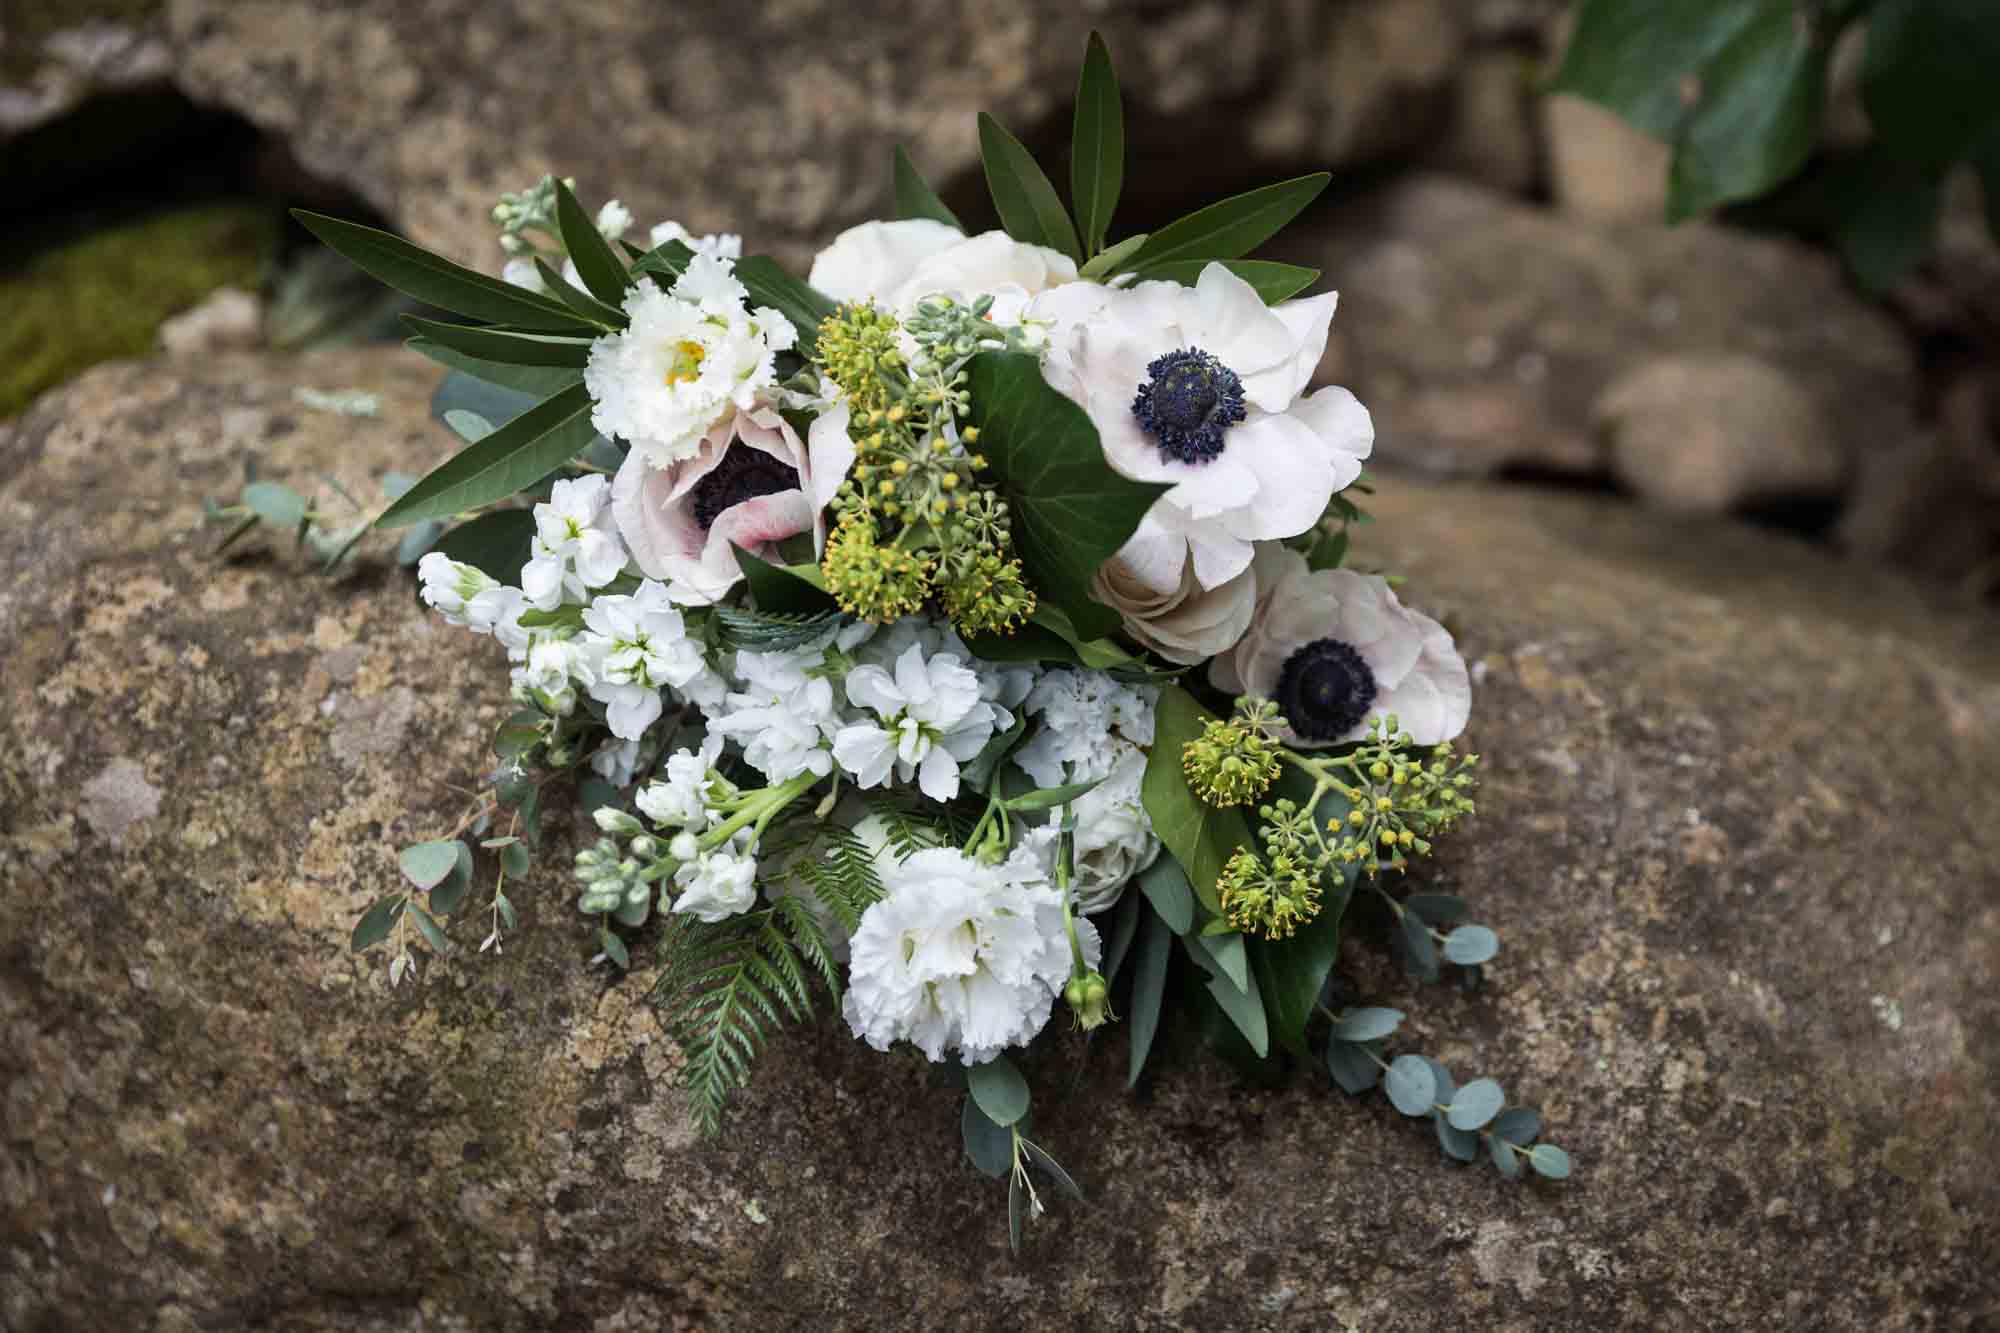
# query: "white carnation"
1086,719
958,956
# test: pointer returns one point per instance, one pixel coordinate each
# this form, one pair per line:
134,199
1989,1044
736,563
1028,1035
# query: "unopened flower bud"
684,847
613,820
645,847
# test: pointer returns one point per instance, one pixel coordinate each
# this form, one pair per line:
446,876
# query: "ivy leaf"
1274,282
512,458
1199,836
496,544
1927,77
506,346
1232,228
1070,511
1050,637
1757,117
596,262
1097,146
1634,56
376,922
1028,206
437,281
914,196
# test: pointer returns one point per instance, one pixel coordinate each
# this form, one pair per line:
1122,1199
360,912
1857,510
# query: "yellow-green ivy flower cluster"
913,519
1234,762
1403,798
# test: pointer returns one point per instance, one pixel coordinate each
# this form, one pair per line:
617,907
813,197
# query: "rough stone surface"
1600,167
1731,836
57,53
1480,331
1710,433
772,120
230,320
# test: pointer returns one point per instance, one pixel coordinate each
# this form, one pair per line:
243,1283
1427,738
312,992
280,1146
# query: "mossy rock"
103,295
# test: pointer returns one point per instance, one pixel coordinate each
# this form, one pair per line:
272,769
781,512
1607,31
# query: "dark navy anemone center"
1324,690
743,474
1188,402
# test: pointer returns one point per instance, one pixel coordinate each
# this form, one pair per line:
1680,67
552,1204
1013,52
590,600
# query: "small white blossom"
451,587
783,716
716,886
613,219
616,764
576,546
932,719
722,245
637,645
686,359
681,799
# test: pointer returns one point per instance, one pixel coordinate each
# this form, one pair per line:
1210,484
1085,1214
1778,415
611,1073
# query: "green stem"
758,807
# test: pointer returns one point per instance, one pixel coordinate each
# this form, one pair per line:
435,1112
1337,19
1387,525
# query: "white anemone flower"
1201,387
933,719
1335,649
575,548
958,956
637,645
687,358
897,264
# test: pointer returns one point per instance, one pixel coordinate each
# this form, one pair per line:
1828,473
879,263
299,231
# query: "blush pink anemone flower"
751,483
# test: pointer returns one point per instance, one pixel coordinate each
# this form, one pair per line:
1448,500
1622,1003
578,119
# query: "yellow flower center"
686,364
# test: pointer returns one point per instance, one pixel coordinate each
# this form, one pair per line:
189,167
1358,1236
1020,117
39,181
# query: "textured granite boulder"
1735,836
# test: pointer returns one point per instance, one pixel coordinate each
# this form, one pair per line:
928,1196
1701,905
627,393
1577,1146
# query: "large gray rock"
1732,834
1481,331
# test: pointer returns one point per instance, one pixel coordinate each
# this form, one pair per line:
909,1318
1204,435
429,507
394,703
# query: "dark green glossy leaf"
531,383
669,259
1149,985
990,1146
1050,637
437,281
999,1089
596,262
1029,209
1636,56
1123,930
512,458
1931,77
1292,972
1097,146
497,544
376,922
1274,282
770,285
1232,228
1757,117
1112,258
1884,214
1070,511
914,196
1196,834
1166,887
506,346
784,589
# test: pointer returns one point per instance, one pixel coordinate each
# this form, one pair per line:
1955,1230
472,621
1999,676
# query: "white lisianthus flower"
1335,649
1200,387
637,645
716,886
688,358
933,719
958,956
680,800
783,716
898,264
750,483
722,245
575,548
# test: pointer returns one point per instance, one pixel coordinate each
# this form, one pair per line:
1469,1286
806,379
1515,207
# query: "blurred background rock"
1513,305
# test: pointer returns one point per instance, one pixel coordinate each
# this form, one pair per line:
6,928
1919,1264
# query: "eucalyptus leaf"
449,892
1367,1024
437,281
1232,228
1419,949
999,1089
1165,886
1070,511
417,542
427,863
376,922
275,503
514,457
1461,1145
1351,1067
468,426
596,262
1029,208
1411,1086
1439,909
1549,1160
1476,1104
1505,1156
614,948
990,1146
914,196
428,927
1519,1125
1097,146
1149,984
1471,945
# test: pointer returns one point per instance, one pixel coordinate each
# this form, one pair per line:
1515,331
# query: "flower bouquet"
959,634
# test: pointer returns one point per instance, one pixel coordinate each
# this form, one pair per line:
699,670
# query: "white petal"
870,261
1343,425
938,775
1239,330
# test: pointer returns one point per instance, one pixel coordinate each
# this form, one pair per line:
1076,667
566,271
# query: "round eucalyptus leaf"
427,863
1549,1160
1471,945
1505,1156
1351,1067
1458,1144
999,1089
990,1146
1476,1103
1367,1024
1411,1085
1518,1125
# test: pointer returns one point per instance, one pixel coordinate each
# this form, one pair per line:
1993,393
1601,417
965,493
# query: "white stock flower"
783,717
617,763
637,645
452,588
897,264
750,483
958,956
933,719
680,800
1200,387
716,885
688,358
575,548
1085,720
722,245
1334,648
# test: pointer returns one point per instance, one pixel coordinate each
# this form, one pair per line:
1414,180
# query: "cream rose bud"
897,264
1186,623
1335,649
751,483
